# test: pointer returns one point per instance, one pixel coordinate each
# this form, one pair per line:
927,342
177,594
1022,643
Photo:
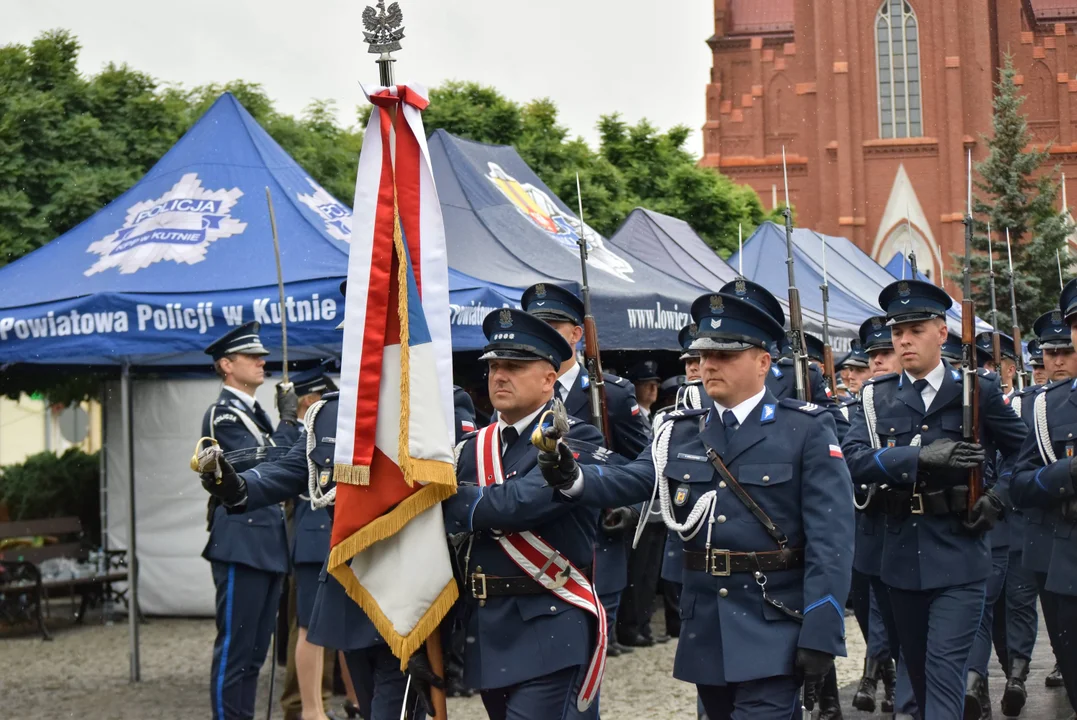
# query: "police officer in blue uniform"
1035,362
936,557
463,413
630,434
248,555
310,547
867,586
1044,480
530,647
759,492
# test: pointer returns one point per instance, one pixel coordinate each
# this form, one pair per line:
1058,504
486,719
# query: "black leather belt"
951,500
482,586
723,562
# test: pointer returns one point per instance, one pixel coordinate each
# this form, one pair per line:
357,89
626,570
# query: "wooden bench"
24,591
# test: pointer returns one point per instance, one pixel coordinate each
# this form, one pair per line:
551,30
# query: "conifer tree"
1011,191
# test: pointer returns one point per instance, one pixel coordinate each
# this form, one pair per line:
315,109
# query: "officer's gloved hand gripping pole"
218,476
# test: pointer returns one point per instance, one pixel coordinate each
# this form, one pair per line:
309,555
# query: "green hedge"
47,485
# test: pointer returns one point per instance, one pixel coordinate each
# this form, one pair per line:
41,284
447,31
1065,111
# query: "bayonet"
1016,329
970,401
996,346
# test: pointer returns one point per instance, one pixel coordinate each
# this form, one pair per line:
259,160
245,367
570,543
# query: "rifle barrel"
970,406
796,317
1018,350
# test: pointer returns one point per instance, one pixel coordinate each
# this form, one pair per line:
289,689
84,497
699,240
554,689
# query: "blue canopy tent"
503,224
900,268
673,247
470,300
855,279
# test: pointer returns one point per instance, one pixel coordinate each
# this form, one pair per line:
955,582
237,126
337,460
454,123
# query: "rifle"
1016,329
828,352
970,401
996,347
908,247
796,318
591,355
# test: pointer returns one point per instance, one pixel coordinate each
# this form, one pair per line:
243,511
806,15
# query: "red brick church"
876,102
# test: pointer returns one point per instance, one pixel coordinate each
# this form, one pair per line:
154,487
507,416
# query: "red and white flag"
394,451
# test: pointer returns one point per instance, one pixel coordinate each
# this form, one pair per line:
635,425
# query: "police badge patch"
681,497
540,290
505,318
323,477
717,306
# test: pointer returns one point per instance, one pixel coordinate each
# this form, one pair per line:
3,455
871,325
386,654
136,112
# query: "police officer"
629,435
534,642
1044,487
856,368
936,557
1035,361
646,381
749,484
310,547
1030,537
463,412
249,555
876,623
336,621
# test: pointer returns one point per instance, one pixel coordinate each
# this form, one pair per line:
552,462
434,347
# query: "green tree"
1015,192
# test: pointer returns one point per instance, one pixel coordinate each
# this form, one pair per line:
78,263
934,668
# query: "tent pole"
132,561
102,471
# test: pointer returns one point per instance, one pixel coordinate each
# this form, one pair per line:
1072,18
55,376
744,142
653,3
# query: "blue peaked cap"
1052,331
516,335
551,302
685,337
1067,303
913,300
985,342
243,340
875,334
314,380
727,322
757,295
1035,353
857,357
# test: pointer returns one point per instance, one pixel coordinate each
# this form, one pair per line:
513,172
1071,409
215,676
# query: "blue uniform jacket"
782,383
630,436
923,552
312,530
1047,487
1031,529
464,413
870,522
520,637
786,457
337,621
258,540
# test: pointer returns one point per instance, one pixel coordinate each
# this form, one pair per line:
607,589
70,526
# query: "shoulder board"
1030,390
686,413
467,436
1068,383
804,407
850,402
615,379
775,371
331,395
883,378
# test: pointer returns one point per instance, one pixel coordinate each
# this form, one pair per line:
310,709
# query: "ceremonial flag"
394,453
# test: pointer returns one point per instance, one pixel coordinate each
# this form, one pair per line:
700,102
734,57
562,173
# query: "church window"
898,51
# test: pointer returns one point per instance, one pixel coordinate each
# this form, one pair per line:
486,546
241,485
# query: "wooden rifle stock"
1018,352
800,354
828,369
600,416
970,425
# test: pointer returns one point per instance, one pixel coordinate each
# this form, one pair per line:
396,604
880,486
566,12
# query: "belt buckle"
714,555
916,503
479,593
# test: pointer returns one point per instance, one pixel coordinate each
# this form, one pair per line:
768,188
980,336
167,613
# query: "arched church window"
898,70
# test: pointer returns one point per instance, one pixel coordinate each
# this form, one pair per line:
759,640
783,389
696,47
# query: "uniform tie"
920,385
730,421
508,437
261,415
562,391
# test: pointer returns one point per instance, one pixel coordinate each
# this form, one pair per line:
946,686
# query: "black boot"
888,673
973,709
1013,698
829,700
864,699
1054,679
985,699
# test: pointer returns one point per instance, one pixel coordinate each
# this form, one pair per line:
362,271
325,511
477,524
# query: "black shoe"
613,650
985,699
1054,679
973,709
662,639
351,709
864,699
888,674
635,640
1014,696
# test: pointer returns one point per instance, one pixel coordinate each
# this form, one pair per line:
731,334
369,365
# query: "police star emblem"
681,497
540,290
717,306
903,289
876,323
740,288
505,318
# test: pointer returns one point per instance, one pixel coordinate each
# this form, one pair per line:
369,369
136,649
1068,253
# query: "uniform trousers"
379,684
774,698
549,697
870,599
1020,618
1060,617
247,601
644,566
980,657
936,629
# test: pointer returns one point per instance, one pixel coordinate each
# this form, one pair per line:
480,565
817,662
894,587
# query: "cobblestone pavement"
83,674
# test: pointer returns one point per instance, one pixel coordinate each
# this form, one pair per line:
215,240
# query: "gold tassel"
351,474
403,449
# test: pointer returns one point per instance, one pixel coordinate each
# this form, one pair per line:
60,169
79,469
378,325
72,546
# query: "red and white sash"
546,565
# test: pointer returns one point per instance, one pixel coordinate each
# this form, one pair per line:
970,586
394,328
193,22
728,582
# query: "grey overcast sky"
642,58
